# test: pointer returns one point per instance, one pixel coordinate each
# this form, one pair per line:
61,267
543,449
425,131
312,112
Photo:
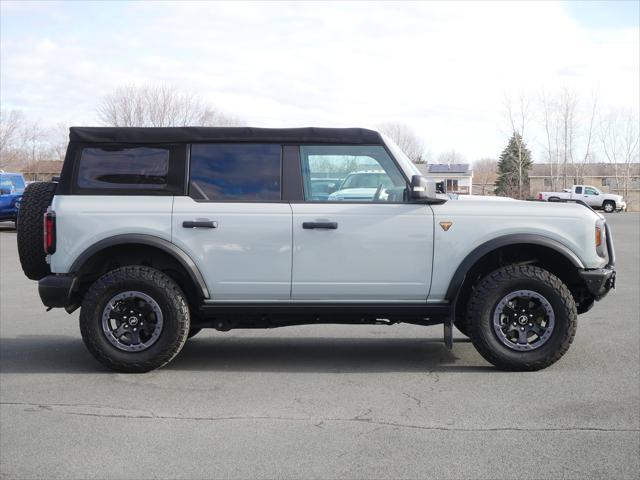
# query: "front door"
234,225
362,242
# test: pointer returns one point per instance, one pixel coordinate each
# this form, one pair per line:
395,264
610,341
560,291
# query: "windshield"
405,162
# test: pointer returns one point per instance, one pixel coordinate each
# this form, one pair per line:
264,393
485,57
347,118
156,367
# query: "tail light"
50,232
539,196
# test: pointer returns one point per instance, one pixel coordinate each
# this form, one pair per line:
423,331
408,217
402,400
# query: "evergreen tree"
513,169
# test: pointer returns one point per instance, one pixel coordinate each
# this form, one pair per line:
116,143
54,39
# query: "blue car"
11,189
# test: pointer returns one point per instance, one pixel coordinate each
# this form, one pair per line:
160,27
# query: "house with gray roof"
458,177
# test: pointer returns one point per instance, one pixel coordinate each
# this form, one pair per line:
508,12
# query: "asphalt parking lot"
320,401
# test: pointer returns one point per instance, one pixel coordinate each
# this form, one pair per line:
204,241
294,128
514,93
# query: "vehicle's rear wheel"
554,199
36,199
609,206
522,317
134,319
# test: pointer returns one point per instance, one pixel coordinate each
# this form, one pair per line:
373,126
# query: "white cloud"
441,67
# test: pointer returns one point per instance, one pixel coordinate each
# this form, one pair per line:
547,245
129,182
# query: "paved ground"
322,402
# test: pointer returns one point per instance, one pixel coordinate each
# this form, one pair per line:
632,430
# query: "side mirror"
422,189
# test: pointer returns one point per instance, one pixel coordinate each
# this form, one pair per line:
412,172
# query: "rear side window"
139,168
225,172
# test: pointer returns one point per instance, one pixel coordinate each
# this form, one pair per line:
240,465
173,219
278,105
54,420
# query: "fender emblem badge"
446,225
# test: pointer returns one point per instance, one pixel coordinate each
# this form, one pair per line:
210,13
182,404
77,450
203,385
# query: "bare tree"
620,139
569,128
406,139
159,106
518,116
485,173
451,156
11,137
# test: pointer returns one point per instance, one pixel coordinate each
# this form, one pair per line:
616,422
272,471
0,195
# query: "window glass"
12,183
235,172
339,173
452,185
578,189
124,168
590,191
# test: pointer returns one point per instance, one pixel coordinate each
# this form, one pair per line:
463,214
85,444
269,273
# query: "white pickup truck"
589,195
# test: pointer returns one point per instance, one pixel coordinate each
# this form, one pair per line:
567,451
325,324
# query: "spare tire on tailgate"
36,199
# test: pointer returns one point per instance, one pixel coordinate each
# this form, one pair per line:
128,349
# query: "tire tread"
174,295
514,273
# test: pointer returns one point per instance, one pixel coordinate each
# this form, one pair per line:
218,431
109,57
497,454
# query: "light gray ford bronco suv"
156,233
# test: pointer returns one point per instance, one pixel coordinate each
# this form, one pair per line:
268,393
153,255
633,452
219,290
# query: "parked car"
362,185
321,188
12,187
156,233
589,195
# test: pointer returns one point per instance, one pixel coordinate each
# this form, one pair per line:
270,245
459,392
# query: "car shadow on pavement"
46,354
66,354
321,354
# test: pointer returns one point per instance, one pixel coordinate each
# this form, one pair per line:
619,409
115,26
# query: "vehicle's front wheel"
134,319
609,206
522,317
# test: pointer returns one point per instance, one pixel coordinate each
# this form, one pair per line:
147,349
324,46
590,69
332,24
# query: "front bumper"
56,290
599,281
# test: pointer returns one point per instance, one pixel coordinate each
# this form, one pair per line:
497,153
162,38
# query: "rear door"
233,223
377,248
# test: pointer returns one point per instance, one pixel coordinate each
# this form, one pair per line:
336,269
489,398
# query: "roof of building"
353,136
445,168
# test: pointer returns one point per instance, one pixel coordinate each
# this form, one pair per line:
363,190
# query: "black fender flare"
519,238
141,239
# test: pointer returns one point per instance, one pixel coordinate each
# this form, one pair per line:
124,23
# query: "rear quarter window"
139,168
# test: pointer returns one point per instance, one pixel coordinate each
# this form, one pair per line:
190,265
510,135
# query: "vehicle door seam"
291,265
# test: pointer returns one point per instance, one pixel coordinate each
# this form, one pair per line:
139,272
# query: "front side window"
235,172
590,191
144,168
343,173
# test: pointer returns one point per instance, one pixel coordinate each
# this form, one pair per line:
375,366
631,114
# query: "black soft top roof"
352,136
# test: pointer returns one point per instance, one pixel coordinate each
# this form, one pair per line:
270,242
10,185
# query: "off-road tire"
158,286
193,332
492,288
609,206
29,225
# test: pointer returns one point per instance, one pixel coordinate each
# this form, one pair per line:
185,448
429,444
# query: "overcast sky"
442,68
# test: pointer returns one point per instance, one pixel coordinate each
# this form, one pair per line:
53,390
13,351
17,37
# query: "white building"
458,177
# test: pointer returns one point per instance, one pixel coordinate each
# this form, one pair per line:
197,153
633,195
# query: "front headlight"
600,239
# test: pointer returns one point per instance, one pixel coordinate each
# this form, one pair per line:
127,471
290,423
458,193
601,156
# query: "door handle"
199,224
325,225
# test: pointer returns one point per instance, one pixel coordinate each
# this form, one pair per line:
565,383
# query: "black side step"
225,316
